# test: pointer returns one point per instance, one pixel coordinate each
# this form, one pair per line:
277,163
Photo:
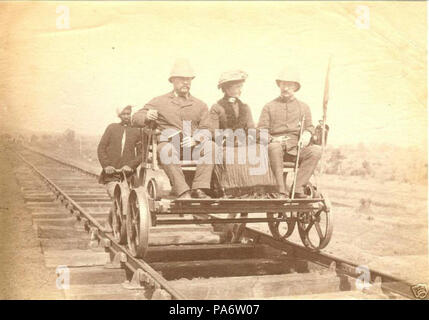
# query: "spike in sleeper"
136,281
117,261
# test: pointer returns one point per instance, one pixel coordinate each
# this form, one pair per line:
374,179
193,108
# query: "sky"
119,53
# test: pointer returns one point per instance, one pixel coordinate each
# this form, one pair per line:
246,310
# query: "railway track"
69,208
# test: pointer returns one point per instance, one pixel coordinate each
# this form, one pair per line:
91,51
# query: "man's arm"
264,119
211,120
204,111
140,119
308,123
103,158
205,123
264,123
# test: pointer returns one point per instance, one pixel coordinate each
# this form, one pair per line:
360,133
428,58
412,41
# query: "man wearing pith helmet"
169,111
281,117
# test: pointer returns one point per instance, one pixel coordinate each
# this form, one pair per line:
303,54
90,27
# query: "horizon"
27,134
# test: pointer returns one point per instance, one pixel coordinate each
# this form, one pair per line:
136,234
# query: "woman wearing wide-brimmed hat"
237,179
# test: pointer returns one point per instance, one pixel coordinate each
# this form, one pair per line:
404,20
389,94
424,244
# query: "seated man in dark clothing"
119,149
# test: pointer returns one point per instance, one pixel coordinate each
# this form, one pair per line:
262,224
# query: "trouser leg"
275,152
110,188
205,152
170,162
309,158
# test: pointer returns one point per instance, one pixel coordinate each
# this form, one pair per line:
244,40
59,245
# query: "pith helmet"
289,74
229,76
181,68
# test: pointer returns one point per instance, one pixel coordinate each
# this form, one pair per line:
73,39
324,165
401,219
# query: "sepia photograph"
214,150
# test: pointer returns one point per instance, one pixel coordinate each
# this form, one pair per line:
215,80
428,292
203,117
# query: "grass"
383,162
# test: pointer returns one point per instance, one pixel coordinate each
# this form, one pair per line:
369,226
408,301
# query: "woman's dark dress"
239,179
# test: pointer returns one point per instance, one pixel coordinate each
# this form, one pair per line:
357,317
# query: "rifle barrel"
325,110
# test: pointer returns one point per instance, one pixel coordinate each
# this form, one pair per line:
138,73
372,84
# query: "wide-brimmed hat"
231,76
181,68
289,74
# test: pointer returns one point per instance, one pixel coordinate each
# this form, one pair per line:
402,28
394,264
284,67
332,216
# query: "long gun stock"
301,130
325,110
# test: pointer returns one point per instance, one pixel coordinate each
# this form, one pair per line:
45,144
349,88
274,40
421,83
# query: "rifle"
325,110
295,171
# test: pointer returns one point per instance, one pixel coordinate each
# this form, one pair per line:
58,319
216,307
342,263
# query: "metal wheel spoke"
282,227
135,225
317,214
310,225
319,230
314,218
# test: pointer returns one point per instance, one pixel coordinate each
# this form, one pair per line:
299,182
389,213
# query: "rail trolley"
145,201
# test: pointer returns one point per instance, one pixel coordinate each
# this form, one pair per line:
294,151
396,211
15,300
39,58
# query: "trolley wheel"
315,227
119,212
152,189
281,230
311,191
138,222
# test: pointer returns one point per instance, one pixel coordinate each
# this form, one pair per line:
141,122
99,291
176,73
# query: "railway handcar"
146,202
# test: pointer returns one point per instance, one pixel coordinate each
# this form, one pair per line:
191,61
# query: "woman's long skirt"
244,171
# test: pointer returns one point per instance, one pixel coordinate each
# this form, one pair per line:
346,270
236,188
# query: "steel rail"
347,267
132,262
91,173
344,266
